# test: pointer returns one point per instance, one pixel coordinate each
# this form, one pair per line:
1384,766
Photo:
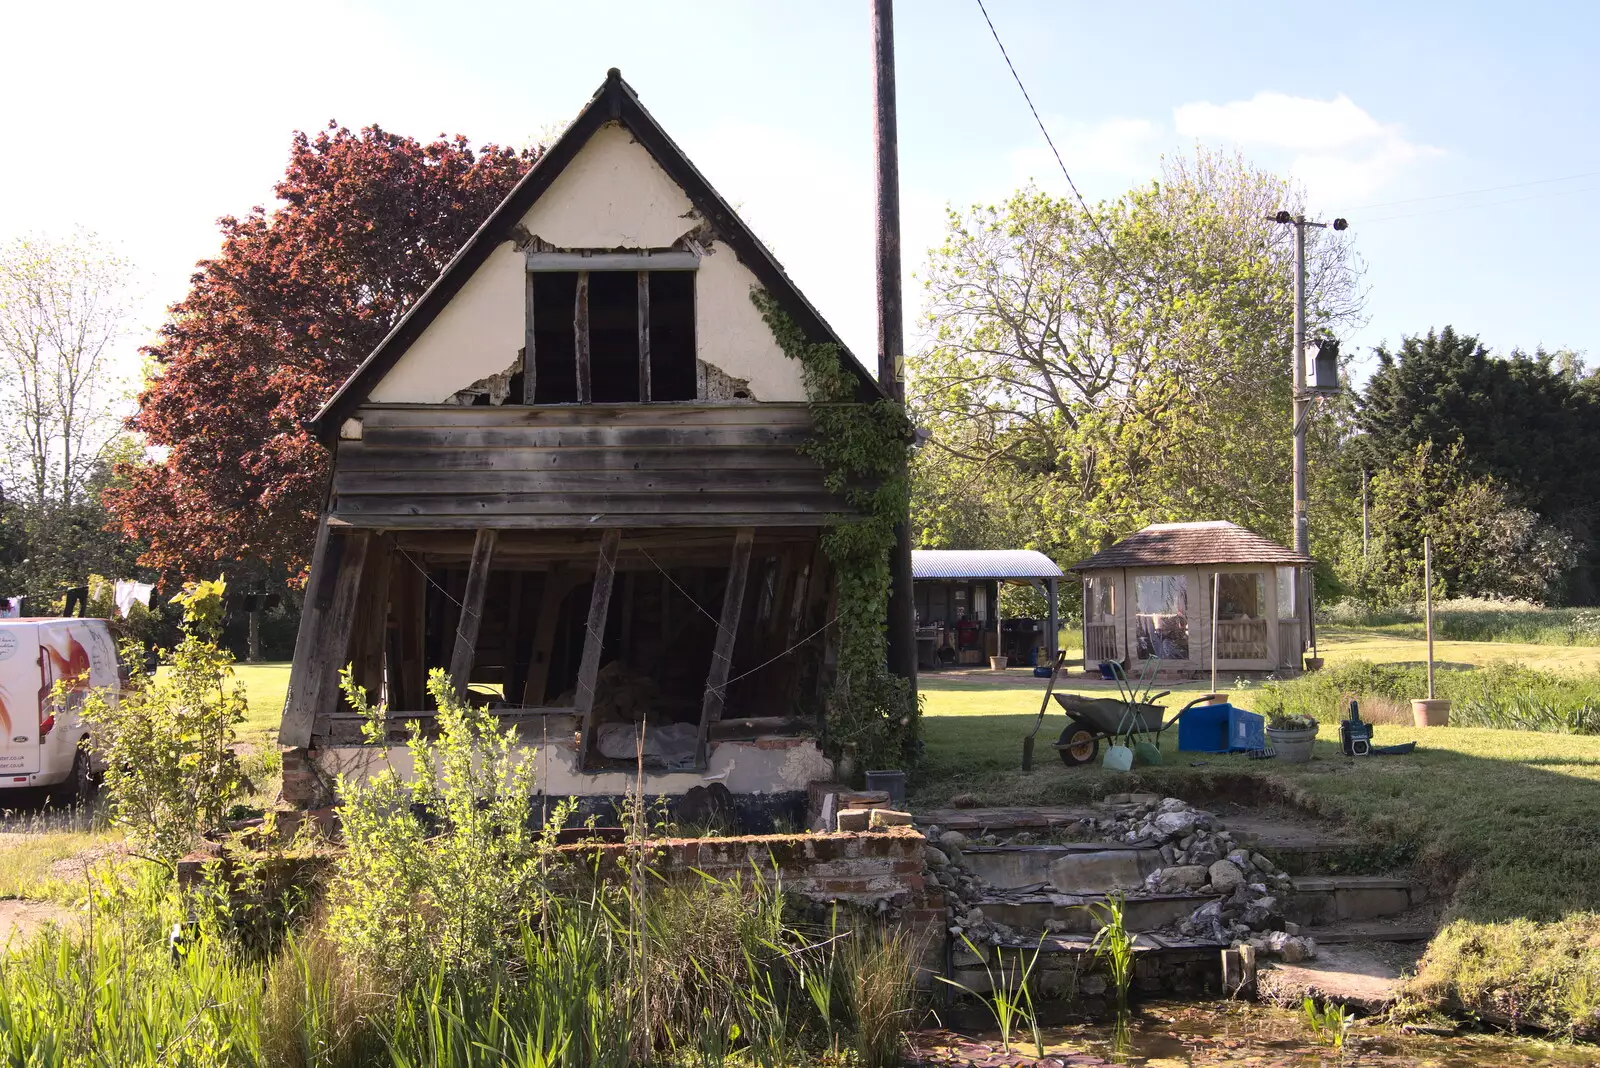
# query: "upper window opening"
614,336
609,336
555,361
672,361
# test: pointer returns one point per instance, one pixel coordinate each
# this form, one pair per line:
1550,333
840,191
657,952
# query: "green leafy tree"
1088,376
1484,543
1528,422
171,771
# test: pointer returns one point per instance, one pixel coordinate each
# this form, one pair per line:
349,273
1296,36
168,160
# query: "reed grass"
728,982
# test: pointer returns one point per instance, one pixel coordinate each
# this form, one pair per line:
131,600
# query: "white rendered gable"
612,195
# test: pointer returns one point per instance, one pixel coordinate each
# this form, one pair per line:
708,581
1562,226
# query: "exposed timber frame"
325,624
471,620
593,640
727,633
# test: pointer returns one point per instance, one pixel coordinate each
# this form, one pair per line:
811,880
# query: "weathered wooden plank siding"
581,466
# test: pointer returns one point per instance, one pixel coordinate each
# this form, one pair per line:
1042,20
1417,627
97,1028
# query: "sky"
1461,140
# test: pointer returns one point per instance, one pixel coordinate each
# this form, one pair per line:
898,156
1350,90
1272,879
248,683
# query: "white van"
42,741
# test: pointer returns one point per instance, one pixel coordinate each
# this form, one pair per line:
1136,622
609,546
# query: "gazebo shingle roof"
1182,544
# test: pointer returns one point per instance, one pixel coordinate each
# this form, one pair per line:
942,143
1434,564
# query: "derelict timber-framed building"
572,477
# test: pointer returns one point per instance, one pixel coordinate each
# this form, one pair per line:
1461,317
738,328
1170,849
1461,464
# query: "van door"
19,700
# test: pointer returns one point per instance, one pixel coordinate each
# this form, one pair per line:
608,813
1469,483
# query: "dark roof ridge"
614,100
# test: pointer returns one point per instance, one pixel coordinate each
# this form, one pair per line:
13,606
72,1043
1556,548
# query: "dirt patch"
21,920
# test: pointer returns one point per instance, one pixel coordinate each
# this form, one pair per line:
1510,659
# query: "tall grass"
1478,620
727,981
1503,695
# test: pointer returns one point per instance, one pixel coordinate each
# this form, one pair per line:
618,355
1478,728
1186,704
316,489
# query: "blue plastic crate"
1220,729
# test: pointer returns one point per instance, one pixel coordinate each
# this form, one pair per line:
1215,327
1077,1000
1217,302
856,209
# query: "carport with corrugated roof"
958,605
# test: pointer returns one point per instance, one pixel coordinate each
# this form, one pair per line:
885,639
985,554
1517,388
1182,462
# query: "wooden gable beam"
466,643
727,634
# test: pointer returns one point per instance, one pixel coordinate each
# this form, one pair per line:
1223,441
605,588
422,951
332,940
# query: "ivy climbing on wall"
863,449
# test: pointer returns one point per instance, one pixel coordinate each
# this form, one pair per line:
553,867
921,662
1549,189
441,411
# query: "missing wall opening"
614,336
555,338
672,361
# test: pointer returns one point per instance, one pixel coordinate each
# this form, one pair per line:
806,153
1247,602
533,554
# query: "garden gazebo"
1149,597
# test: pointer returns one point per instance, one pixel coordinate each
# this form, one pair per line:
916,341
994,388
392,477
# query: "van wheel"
78,786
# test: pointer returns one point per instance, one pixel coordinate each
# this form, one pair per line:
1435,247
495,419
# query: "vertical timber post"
902,632
594,636
727,637
465,649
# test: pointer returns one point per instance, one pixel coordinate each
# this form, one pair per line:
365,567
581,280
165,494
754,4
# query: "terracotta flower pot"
999,663
1431,713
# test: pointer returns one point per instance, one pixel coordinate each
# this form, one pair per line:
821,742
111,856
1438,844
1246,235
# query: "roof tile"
1175,544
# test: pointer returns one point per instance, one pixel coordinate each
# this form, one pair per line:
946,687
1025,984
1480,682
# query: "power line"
1047,138
1474,192
1489,204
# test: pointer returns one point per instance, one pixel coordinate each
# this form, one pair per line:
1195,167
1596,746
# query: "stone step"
1077,914
1058,963
1079,868
1372,931
1007,820
1330,900
1301,847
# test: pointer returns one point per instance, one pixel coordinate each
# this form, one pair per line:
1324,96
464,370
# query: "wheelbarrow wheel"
1078,745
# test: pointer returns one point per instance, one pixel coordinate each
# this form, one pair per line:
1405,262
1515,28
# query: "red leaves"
295,301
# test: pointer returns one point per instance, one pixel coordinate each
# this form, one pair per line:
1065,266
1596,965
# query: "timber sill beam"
727,637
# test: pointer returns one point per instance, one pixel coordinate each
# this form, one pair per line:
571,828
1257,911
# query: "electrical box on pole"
1322,367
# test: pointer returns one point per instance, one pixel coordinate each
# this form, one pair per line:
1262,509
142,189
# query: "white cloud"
1336,147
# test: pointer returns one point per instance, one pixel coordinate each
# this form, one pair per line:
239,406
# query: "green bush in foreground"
168,741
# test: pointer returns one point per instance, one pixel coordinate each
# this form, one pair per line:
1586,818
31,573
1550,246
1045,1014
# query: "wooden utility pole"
891,328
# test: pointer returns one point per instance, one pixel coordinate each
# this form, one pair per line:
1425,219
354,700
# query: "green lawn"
265,688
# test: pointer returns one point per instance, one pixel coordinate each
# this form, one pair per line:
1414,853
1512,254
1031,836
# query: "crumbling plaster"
612,195
761,766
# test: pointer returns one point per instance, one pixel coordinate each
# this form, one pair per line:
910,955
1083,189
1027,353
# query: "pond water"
1229,1033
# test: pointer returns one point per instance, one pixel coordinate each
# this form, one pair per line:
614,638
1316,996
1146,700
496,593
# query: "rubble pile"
1239,894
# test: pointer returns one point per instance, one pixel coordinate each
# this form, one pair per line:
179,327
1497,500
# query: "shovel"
1027,739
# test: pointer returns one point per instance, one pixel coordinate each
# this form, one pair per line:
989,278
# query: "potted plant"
1291,736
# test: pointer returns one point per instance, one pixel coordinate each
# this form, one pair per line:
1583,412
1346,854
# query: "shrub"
440,867
167,742
1505,695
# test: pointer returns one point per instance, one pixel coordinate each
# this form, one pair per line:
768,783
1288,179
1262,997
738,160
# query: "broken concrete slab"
1357,975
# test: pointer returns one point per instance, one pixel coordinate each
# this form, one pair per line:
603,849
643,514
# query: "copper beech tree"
299,295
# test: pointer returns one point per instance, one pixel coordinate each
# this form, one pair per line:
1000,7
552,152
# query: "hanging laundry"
128,593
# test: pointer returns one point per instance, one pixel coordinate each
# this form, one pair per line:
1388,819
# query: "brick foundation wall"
881,872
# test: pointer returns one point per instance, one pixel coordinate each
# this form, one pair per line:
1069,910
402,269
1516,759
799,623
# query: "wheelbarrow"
1094,718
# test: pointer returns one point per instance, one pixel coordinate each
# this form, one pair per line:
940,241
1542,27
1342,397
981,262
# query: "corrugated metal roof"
982,564
1169,544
